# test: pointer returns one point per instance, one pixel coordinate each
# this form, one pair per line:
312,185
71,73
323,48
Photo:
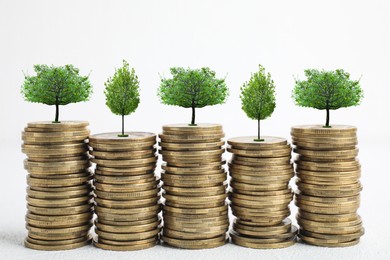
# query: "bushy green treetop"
56,86
327,90
122,92
258,97
193,88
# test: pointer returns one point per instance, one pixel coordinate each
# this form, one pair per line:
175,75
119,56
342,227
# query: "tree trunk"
193,116
57,114
327,118
258,129
123,125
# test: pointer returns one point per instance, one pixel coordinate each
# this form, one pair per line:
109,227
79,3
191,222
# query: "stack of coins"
126,191
328,181
260,194
59,195
194,181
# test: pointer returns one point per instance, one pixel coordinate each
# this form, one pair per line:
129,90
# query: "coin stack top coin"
260,195
59,191
126,191
194,181
329,188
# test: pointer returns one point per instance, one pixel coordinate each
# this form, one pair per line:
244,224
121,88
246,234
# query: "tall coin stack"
260,196
59,195
329,187
194,181
126,191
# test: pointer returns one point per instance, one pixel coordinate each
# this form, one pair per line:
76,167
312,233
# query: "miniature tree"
192,88
258,97
56,86
122,93
327,90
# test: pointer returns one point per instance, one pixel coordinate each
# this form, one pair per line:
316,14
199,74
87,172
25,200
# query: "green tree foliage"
193,88
327,90
122,92
258,97
56,86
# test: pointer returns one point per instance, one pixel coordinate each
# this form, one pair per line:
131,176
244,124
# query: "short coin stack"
260,173
59,193
328,182
126,191
194,182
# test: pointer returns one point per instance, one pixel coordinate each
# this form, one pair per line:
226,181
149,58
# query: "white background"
231,37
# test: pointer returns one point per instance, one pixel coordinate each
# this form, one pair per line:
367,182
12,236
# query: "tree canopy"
258,97
327,90
122,92
56,86
192,88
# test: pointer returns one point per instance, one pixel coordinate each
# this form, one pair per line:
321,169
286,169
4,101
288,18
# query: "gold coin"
275,245
195,178
258,203
335,238
130,223
328,181
192,128
177,234
128,247
57,232
281,197
266,187
194,184
57,151
195,211
260,161
327,210
65,218
262,221
192,146
196,221
132,179
57,182
266,239
188,231
288,190
61,126
191,154
196,200
263,231
355,199
210,204
124,155
327,217
214,169
57,195
262,179
123,147
249,143
126,218
59,224
207,191
335,174
319,130
128,211
195,243
58,202
191,138
127,196
333,187
319,224
324,142
50,136
260,170
109,171
120,204
113,138
127,236
56,247
328,154
124,163
83,187
59,211
329,205
274,153
58,242
325,243
126,187
260,211
330,230
127,229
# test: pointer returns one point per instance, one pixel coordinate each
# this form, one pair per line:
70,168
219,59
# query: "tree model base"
124,135
192,124
327,126
258,140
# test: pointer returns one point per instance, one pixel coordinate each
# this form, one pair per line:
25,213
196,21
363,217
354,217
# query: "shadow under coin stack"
328,182
59,193
260,196
126,191
194,181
